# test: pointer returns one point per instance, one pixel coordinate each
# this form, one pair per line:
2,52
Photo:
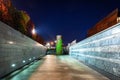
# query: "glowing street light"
48,45
55,41
51,43
33,31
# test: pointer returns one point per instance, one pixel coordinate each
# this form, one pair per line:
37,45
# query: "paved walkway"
59,68
64,68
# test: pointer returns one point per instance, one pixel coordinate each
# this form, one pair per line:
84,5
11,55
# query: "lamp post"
48,45
33,33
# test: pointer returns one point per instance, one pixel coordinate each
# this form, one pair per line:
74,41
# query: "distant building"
70,44
110,20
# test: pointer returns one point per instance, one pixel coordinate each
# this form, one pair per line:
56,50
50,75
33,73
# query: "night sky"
69,18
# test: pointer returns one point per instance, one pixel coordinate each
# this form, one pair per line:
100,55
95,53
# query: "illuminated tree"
25,18
40,39
59,47
17,19
3,11
30,26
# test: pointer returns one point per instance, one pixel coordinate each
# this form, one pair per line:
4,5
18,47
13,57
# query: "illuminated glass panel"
101,50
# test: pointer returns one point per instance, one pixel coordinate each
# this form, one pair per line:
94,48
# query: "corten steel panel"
16,47
108,21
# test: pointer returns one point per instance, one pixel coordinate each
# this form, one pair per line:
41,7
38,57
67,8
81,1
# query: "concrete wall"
16,49
101,50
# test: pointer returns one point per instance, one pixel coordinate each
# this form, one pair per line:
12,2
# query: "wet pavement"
53,67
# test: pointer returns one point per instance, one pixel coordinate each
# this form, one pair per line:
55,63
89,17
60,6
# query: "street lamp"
33,31
52,43
48,45
55,41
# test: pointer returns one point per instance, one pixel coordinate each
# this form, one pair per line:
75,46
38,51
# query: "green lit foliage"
59,47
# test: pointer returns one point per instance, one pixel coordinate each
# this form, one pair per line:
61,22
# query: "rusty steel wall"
105,23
